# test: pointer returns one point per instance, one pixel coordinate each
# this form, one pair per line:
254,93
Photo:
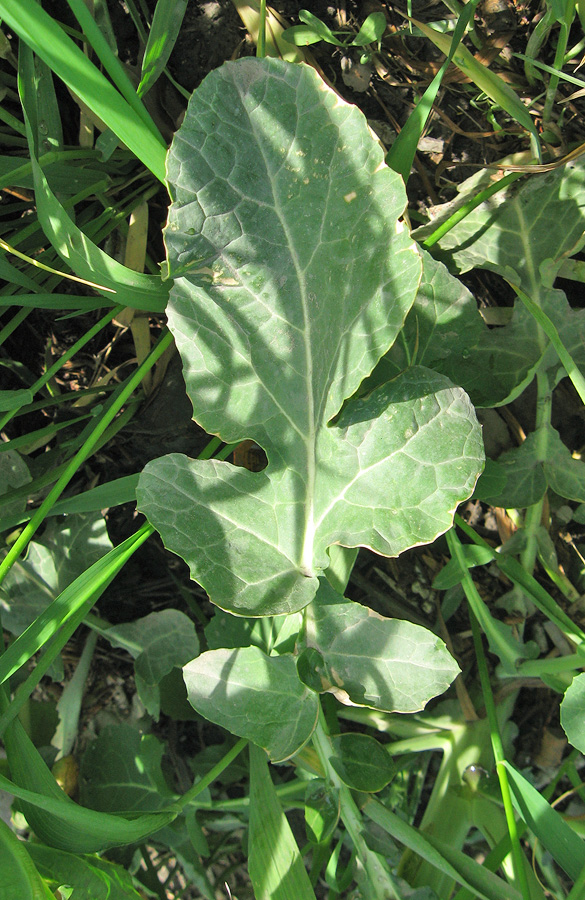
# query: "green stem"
382,886
468,207
261,48
518,858
218,768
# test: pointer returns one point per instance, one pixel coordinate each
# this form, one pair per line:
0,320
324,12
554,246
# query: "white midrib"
306,558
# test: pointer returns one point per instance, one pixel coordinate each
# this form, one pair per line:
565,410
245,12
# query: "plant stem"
380,880
518,858
218,768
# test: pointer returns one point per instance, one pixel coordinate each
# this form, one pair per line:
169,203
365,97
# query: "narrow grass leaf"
401,155
73,246
164,30
111,64
47,39
442,856
66,604
19,879
564,845
275,864
486,80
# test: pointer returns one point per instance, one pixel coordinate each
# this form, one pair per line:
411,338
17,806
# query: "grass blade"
564,845
44,36
401,155
275,863
166,24
73,246
486,80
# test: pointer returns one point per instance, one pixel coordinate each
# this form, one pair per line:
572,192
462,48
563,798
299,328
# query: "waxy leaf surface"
256,696
365,659
292,277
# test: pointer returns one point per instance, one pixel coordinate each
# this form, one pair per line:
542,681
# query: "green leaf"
86,259
301,35
566,847
121,771
573,712
55,818
18,876
445,858
166,25
445,332
371,31
367,660
319,27
321,810
361,762
89,876
14,399
275,864
158,642
50,43
541,461
292,277
486,80
255,696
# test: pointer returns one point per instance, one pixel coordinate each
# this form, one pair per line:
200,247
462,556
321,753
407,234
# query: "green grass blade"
112,64
452,862
116,402
48,40
487,81
73,246
401,155
275,863
166,24
564,845
55,818
68,603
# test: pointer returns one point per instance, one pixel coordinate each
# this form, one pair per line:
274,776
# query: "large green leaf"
293,276
365,659
445,331
121,771
541,461
256,696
